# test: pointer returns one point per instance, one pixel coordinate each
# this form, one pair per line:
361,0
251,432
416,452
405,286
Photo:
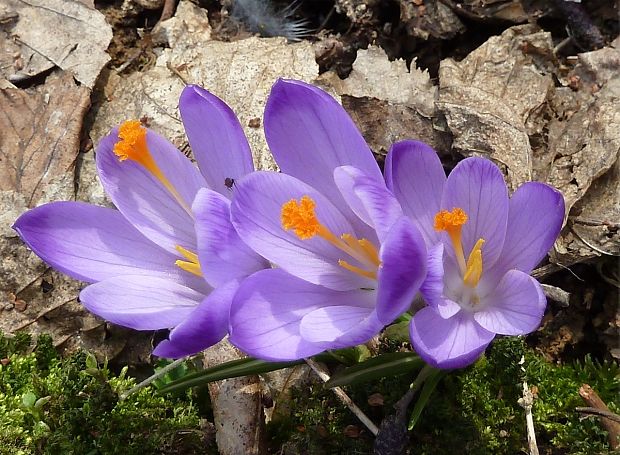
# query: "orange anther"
300,216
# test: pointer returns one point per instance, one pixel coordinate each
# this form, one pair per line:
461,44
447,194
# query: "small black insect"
229,182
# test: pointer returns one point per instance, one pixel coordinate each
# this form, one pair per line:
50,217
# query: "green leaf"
91,361
378,367
427,389
42,402
398,332
232,369
28,400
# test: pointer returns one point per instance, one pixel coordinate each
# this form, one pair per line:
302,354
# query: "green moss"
50,405
477,409
473,411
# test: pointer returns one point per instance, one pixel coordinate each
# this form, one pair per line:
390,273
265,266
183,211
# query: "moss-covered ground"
52,405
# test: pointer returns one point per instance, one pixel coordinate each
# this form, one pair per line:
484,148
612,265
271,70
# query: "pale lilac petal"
91,243
433,287
534,221
402,270
515,307
477,186
141,302
415,175
267,310
216,137
222,254
448,343
329,323
143,199
369,199
310,135
256,214
205,326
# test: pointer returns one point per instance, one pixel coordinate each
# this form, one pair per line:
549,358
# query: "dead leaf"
66,33
507,10
382,123
586,145
593,227
495,97
40,138
375,76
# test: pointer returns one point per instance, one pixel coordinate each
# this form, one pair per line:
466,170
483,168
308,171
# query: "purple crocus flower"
348,261
482,247
169,256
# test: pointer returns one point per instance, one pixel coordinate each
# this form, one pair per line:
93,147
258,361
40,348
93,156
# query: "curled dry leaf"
585,147
70,34
495,97
505,10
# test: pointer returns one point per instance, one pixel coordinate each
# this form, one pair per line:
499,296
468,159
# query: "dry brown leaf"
65,33
40,138
495,97
375,76
586,145
507,10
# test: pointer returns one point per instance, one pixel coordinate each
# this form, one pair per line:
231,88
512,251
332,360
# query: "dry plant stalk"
593,400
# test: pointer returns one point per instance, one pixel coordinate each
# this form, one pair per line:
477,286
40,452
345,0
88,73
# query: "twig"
176,73
611,425
344,398
556,294
598,412
166,13
157,375
526,403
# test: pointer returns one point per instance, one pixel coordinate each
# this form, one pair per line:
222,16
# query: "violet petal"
206,325
143,199
448,343
415,175
256,214
369,199
91,243
141,302
402,270
216,137
515,307
222,254
267,311
477,186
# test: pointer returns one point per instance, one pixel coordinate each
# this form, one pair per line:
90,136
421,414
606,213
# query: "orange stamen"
452,222
300,217
133,146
